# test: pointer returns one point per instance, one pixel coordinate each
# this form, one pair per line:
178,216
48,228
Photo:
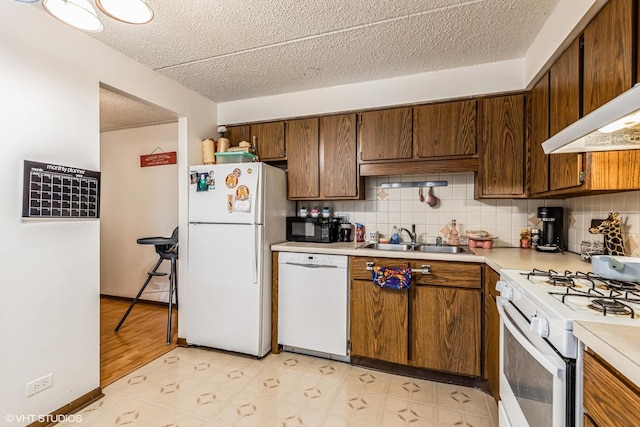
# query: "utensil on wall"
431,199
420,194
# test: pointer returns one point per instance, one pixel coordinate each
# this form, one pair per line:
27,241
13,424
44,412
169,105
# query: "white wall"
136,202
49,83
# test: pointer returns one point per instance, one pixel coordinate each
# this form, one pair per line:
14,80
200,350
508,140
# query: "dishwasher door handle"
299,264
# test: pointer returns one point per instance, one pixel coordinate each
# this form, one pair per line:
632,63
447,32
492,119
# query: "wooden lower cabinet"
610,399
445,329
435,325
379,322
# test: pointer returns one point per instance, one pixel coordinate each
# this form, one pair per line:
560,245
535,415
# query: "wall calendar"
55,191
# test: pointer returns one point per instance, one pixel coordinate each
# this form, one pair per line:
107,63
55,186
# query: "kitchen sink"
444,249
389,246
417,247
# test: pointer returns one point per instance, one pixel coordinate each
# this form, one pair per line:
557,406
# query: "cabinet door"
492,333
338,165
538,104
565,109
608,58
269,140
447,129
378,322
385,134
445,329
609,398
302,159
235,134
502,169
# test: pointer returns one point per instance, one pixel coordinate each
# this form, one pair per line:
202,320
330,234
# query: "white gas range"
540,358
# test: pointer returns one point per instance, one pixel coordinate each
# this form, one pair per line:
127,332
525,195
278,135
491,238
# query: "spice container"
535,237
359,232
525,238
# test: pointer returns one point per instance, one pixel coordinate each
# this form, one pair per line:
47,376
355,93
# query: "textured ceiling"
237,49
121,112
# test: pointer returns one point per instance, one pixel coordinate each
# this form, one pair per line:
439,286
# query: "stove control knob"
507,292
540,326
500,284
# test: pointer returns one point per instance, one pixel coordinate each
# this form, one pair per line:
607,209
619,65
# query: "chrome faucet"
412,233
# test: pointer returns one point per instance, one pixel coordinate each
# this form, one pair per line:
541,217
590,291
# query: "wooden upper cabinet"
538,105
502,168
235,134
608,54
385,134
302,158
338,164
269,140
445,129
565,92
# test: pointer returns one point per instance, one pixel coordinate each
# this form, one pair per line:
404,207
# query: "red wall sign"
158,159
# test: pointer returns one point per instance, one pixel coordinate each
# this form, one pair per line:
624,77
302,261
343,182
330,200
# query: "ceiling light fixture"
129,11
77,13
82,15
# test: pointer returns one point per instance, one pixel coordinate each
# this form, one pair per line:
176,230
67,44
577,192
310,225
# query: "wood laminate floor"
141,339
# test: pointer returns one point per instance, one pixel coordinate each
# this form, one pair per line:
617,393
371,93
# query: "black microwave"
318,230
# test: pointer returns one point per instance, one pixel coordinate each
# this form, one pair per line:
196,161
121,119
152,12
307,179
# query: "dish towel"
392,277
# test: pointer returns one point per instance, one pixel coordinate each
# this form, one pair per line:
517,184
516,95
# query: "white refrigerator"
236,211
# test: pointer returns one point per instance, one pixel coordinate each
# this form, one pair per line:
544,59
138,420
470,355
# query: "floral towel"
392,277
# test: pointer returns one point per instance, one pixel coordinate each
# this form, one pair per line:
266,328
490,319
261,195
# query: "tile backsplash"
385,207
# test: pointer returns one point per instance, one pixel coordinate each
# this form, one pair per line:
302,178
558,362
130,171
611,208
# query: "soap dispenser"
454,237
395,238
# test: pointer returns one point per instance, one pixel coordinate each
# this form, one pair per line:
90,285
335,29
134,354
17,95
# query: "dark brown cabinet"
303,146
610,399
435,325
608,54
235,134
445,129
269,140
538,106
492,332
339,177
446,329
565,91
502,169
321,158
385,134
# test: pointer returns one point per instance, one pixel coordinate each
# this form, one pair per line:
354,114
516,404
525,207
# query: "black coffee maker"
551,239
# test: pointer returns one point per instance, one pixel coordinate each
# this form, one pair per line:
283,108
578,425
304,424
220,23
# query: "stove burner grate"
606,306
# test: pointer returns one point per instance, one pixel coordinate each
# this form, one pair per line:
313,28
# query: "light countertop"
496,258
619,345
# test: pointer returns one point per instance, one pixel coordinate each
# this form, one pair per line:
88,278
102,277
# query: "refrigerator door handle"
254,254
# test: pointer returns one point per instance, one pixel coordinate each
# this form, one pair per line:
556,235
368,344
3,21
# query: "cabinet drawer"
358,265
447,273
609,398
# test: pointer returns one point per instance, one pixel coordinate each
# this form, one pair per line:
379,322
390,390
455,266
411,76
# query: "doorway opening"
136,202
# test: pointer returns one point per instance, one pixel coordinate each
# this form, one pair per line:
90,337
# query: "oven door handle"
554,367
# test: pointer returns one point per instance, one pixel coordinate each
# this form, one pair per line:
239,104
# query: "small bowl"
384,240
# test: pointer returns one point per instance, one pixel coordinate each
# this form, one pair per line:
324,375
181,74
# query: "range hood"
614,126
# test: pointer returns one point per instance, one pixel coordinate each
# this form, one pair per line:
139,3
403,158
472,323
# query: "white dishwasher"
313,304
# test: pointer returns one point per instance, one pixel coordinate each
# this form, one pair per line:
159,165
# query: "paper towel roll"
208,152
223,144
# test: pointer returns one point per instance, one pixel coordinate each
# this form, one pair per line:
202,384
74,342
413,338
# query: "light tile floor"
196,387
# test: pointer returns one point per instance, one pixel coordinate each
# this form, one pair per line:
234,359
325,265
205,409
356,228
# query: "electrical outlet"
36,386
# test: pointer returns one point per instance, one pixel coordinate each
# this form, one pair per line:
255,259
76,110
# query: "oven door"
535,382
